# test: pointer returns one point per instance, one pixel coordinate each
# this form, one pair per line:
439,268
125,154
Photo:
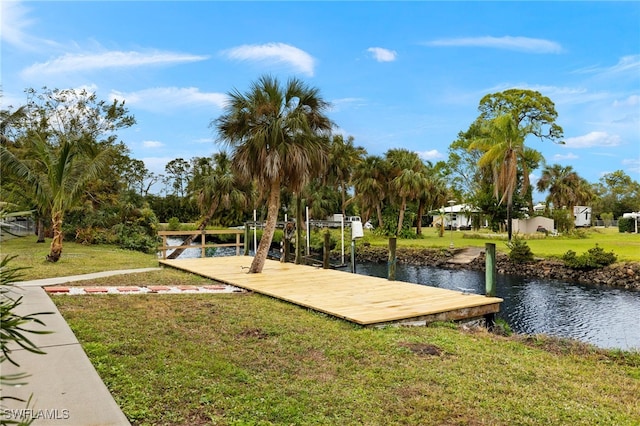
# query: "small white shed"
582,216
531,225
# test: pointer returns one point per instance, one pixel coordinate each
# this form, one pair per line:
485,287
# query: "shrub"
134,237
563,220
316,240
174,224
390,224
607,218
626,224
520,252
594,258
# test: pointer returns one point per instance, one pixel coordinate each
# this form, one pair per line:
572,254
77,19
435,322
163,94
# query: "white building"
532,225
457,216
582,216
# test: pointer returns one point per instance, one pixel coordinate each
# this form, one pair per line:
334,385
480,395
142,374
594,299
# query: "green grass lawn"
246,359
76,258
626,246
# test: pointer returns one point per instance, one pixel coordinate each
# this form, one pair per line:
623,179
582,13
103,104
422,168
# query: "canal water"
606,317
603,316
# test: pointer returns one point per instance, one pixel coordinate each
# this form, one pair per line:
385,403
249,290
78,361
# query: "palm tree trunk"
56,243
299,220
269,229
420,213
403,207
205,221
379,211
509,224
40,230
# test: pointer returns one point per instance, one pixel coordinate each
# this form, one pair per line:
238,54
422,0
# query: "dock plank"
361,299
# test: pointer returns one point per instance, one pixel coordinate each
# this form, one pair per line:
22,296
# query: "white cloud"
561,157
430,155
170,98
631,101
15,23
383,55
593,139
630,63
338,105
522,44
561,95
632,164
152,144
273,53
157,164
73,62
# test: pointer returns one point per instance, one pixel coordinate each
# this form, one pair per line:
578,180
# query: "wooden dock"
360,299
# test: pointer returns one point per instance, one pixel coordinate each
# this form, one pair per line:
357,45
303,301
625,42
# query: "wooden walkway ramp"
360,299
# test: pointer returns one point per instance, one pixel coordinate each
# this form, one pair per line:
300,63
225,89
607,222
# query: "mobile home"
582,216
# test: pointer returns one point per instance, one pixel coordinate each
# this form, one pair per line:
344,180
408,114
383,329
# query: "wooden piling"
246,239
490,269
392,258
490,280
326,247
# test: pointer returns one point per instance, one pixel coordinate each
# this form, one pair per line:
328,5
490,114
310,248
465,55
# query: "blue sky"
398,74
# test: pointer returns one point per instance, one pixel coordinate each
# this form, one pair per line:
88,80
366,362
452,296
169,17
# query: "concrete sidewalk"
63,280
64,386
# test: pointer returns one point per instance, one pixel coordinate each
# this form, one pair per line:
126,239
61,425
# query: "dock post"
326,248
392,258
246,239
490,279
353,256
490,269
286,249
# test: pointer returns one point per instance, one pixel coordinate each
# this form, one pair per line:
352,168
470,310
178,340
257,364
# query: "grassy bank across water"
626,246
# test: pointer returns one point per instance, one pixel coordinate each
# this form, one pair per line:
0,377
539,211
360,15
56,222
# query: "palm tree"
344,156
432,193
274,133
370,181
217,186
407,179
57,175
321,199
532,159
506,154
566,187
